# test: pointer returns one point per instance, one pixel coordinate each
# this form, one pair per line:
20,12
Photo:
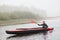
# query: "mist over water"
10,12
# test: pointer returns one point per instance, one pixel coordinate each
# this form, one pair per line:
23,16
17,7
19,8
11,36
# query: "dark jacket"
43,25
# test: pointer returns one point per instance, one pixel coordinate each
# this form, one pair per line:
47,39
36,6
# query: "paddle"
34,22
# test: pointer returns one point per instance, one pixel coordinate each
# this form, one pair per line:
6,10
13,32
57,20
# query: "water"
49,35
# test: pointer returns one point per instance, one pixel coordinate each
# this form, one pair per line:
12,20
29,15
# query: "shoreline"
12,24
15,22
20,21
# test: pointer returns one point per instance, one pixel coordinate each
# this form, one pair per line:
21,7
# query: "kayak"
27,30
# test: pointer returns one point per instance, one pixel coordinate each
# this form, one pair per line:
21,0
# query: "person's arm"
39,24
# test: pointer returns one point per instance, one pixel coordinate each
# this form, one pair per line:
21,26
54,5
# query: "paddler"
44,25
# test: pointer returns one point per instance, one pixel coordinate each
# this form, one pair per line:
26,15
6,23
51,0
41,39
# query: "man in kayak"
44,25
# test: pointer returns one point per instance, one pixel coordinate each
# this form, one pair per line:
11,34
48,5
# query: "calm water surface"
49,35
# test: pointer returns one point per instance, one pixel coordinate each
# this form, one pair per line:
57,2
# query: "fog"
21,12
50,7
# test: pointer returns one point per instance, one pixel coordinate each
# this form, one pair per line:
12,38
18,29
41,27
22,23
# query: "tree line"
17,15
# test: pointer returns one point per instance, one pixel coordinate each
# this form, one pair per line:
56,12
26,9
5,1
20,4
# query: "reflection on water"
34,36
45,35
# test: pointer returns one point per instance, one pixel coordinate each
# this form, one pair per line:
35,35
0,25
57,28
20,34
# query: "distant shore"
19,21
14,22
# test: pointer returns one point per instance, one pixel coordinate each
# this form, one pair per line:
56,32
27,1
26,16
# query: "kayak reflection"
28,36
45,34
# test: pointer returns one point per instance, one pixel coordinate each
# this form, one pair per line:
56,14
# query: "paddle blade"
33,21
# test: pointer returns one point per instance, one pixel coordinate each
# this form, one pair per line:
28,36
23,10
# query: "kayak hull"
27,30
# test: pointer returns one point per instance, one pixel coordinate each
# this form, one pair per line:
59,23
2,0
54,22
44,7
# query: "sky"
52,7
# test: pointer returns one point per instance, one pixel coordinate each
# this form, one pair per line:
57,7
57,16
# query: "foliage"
17,15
